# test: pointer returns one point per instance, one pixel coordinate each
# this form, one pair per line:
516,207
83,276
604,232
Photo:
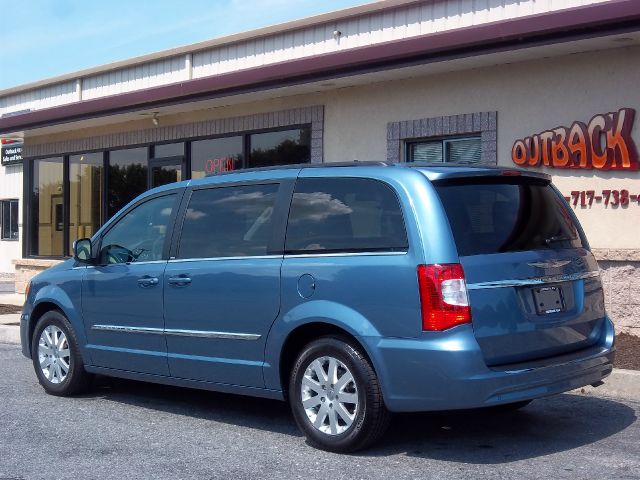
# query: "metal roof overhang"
616,16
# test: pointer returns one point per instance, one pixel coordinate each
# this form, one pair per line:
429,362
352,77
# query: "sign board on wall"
11,152
604,143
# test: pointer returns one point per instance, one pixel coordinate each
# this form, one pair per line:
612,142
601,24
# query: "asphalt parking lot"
133,430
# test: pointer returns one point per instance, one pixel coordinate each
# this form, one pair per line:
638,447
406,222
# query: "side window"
344,215
139,236
228,222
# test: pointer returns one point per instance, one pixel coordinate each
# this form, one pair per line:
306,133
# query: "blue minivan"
349,290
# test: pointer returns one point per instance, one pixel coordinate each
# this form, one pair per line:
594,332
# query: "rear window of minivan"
507,215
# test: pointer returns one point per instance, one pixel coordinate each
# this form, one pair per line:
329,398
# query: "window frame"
27,250
275,246
352,251
444,142
96,246
3,237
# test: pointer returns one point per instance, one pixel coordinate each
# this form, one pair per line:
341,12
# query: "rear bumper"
446,371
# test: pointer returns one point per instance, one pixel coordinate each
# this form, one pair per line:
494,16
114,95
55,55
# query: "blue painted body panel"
111,296
507,354
225,295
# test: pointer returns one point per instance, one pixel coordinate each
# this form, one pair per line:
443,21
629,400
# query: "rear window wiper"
559,238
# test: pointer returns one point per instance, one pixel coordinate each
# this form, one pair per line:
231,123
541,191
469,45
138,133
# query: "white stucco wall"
529,97
11,187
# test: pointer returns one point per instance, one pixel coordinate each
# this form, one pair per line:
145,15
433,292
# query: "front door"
165,170
122,295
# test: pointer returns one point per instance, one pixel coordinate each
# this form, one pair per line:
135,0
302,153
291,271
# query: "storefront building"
547,85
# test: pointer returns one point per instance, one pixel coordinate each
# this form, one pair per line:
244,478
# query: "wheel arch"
301,336
38,311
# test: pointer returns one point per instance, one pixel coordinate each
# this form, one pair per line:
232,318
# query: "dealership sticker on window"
605,143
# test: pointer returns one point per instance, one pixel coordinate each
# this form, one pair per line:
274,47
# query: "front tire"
335,396
56,356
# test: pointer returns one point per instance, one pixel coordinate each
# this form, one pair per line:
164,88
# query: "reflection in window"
140,235
9,217
168,150
217,155
228,222
127,177
47,200
348,215
86,177
284,147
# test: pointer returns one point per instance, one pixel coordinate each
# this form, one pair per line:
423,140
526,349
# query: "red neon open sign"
219,165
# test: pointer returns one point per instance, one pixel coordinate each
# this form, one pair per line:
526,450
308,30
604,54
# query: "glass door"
165,170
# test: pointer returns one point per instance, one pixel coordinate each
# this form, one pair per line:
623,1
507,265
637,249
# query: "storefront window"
217,155
284,147
47,207
127,177
86,179
168,150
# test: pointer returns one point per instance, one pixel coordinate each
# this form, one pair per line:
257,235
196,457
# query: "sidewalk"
10,324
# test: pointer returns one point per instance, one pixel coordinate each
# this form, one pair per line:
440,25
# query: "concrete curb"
620,384
10,334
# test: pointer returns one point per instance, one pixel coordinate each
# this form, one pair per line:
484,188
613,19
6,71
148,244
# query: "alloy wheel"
329,395
53,354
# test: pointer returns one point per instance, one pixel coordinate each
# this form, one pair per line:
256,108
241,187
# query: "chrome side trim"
343,254
207,259
177,332
125,329
533,281
208,334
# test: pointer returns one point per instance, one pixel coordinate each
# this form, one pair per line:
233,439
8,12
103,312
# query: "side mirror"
82,251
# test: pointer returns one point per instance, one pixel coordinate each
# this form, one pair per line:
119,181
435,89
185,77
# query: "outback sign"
604,143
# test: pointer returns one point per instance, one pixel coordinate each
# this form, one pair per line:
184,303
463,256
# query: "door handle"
179,281
147,281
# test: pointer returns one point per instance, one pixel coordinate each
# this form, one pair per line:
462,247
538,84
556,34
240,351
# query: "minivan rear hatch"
533,284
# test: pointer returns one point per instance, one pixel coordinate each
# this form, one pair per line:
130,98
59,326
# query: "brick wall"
483,123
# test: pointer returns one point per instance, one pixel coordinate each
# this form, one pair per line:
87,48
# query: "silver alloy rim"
53,354
329,395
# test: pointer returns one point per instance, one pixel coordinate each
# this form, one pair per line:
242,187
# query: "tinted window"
139,236
344,215
283,147
217,155
506,217
127,177
228,222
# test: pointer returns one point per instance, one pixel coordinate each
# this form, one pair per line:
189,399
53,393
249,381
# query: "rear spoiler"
482,174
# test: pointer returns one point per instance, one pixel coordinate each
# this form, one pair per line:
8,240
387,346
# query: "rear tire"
335,396
56,357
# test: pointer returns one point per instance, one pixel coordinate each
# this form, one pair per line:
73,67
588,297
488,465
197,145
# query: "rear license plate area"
548,300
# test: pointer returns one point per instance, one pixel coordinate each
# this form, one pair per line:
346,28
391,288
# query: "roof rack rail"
354,163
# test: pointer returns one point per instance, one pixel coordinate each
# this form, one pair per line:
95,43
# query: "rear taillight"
443,296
